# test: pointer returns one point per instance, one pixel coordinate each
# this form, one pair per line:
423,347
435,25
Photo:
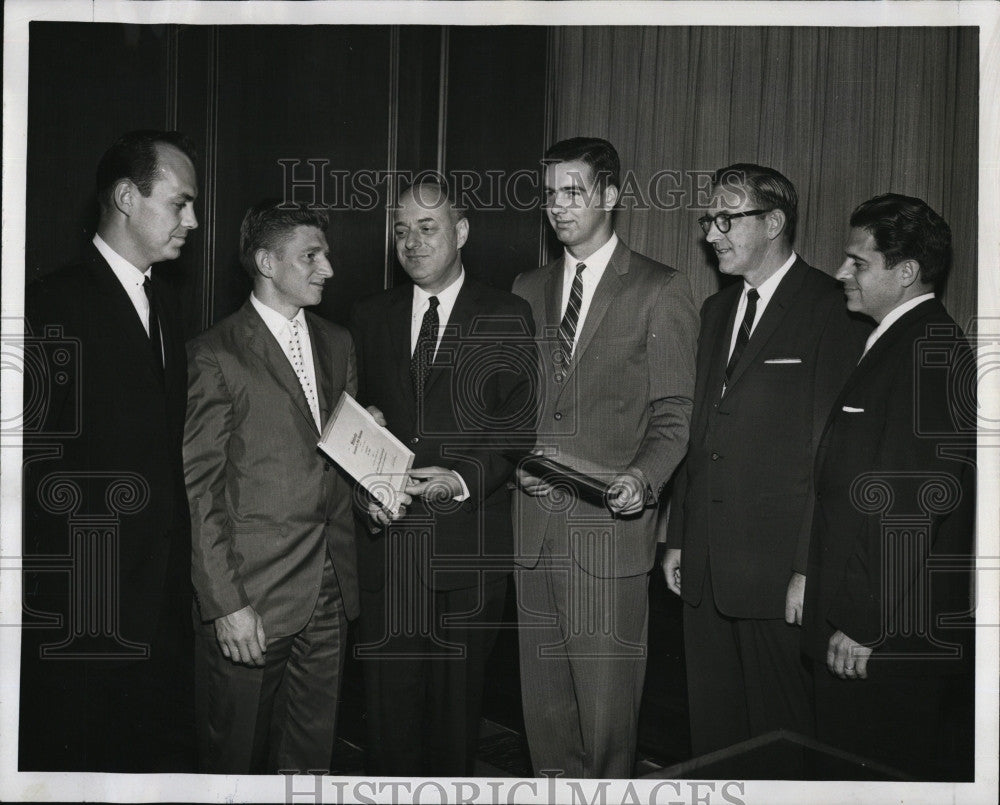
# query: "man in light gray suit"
274,564
617,336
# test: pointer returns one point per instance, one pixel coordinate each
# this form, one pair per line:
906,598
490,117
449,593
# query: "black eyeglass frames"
723,220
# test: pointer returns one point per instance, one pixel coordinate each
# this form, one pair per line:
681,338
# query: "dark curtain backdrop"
845,113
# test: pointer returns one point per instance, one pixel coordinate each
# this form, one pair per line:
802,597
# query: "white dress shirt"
590,278
131,279
892,317
766,290
446,303
281,329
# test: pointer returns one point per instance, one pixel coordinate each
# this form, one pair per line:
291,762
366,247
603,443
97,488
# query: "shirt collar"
895,315
446,298
597,262
276,323
767,288
127,273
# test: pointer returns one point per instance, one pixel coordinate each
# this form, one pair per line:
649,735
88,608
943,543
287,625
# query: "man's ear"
123,196
262,259
909,272
462,232
610,197
776,222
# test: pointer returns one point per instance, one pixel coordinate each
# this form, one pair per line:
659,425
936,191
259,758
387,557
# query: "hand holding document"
367,452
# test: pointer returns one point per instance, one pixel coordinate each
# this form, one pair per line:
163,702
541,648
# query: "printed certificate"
368,452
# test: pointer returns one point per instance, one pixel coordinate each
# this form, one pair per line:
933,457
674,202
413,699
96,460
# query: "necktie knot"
580,268
433,302
753,295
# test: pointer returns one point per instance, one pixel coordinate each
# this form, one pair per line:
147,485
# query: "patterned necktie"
155,341
743,336
423,352
298,363
567,327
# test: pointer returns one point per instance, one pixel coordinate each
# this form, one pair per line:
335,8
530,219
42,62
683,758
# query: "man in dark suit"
892,535
450,363
616,334
112,691
773,352
274,562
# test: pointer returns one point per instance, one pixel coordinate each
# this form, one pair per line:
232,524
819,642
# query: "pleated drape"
845,113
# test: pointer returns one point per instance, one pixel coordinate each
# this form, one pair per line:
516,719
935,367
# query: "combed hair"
599,154
906,228
767,189
268,224
134,156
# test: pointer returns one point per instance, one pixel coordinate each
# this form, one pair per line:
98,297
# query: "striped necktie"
567,327
743,336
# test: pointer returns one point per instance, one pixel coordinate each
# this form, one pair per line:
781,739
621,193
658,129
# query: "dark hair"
268,224
766,188
599,154
134,156
432,179
905,228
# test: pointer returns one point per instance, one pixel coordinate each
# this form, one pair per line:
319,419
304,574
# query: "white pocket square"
847,409
783,360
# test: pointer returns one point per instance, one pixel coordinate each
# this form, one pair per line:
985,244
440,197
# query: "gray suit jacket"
624,403
265,506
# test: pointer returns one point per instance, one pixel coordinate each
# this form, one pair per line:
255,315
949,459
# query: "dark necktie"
743,335
567,327
154,324
423,353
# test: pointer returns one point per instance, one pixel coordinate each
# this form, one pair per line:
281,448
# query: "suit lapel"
775,312
604,294
459,327
718,355
120,309
262,343
553,294
322,362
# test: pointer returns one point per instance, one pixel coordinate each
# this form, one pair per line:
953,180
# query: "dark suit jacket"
477,418
118,418
265,506
624,403
744,495
899,443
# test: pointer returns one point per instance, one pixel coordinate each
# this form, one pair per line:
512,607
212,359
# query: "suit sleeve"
839,347
209,423
671,338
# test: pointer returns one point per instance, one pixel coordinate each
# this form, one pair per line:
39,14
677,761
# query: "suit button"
557,416
716,456
559,377
415,440
329,520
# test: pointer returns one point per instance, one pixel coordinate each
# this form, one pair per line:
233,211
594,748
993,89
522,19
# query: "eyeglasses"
723,220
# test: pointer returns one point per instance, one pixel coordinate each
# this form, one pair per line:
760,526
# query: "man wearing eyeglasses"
773,352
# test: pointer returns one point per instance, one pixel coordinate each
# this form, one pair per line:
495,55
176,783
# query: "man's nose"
188,219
